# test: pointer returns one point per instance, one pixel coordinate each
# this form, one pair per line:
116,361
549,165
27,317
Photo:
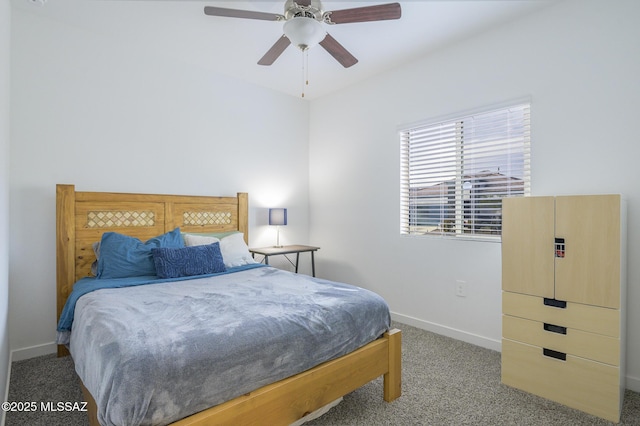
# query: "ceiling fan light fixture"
304,32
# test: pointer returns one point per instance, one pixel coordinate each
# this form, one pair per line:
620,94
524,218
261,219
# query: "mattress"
152,354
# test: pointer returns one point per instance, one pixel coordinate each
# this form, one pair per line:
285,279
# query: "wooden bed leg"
92,407
393,379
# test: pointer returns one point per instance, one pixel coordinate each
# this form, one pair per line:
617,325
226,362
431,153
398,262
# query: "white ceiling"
232,46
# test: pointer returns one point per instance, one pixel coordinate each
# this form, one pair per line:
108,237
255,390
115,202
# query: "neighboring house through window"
455,172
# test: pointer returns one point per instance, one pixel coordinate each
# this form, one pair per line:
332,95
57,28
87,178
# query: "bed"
83,217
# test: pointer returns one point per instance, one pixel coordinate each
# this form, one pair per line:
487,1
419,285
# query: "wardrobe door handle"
555,303
554,354
555,328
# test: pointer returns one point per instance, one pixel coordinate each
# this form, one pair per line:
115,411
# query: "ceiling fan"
303,27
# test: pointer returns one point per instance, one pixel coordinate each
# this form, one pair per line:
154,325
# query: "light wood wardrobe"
563,298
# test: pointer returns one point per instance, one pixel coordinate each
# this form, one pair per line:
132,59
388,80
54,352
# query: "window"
454,173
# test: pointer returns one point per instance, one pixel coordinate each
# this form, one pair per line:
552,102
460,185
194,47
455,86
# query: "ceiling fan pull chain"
303,67
306,67
305,70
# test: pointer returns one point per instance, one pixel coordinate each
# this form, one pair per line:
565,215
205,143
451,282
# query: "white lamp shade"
304,32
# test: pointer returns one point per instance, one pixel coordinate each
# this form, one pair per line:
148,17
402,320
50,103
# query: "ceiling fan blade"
275,51
380,12
237,13
336,50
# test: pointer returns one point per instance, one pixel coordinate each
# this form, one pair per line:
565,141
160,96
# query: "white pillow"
235,251
199,240
233,248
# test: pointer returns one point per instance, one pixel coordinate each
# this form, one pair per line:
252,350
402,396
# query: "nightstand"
284,250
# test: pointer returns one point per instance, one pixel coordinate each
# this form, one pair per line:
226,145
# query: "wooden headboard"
82,218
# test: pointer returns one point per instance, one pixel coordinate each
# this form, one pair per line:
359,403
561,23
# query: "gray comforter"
153,354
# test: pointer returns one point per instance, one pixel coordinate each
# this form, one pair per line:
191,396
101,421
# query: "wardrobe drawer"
586,385
589,318
596,347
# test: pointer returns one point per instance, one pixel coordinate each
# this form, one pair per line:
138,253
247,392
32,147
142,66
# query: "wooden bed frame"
82,218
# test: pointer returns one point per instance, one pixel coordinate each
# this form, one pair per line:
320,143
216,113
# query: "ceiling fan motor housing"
293,9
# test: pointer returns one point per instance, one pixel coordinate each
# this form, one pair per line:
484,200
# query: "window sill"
481,238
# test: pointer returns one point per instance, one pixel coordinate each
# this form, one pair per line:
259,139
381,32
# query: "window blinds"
455,173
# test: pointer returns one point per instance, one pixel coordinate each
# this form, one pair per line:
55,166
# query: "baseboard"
34,351
633,383
474,339
3,416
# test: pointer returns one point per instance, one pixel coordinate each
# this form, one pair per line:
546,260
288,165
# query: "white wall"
5,26
578,60
106,116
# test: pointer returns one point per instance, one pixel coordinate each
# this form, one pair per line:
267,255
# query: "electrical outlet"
461,288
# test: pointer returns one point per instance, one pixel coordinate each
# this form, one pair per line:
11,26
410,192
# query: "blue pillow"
123,256
188,261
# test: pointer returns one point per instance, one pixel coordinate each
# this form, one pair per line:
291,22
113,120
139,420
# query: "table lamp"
278,217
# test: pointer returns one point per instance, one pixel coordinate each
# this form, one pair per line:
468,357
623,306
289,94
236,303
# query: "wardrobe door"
589,271
527,245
